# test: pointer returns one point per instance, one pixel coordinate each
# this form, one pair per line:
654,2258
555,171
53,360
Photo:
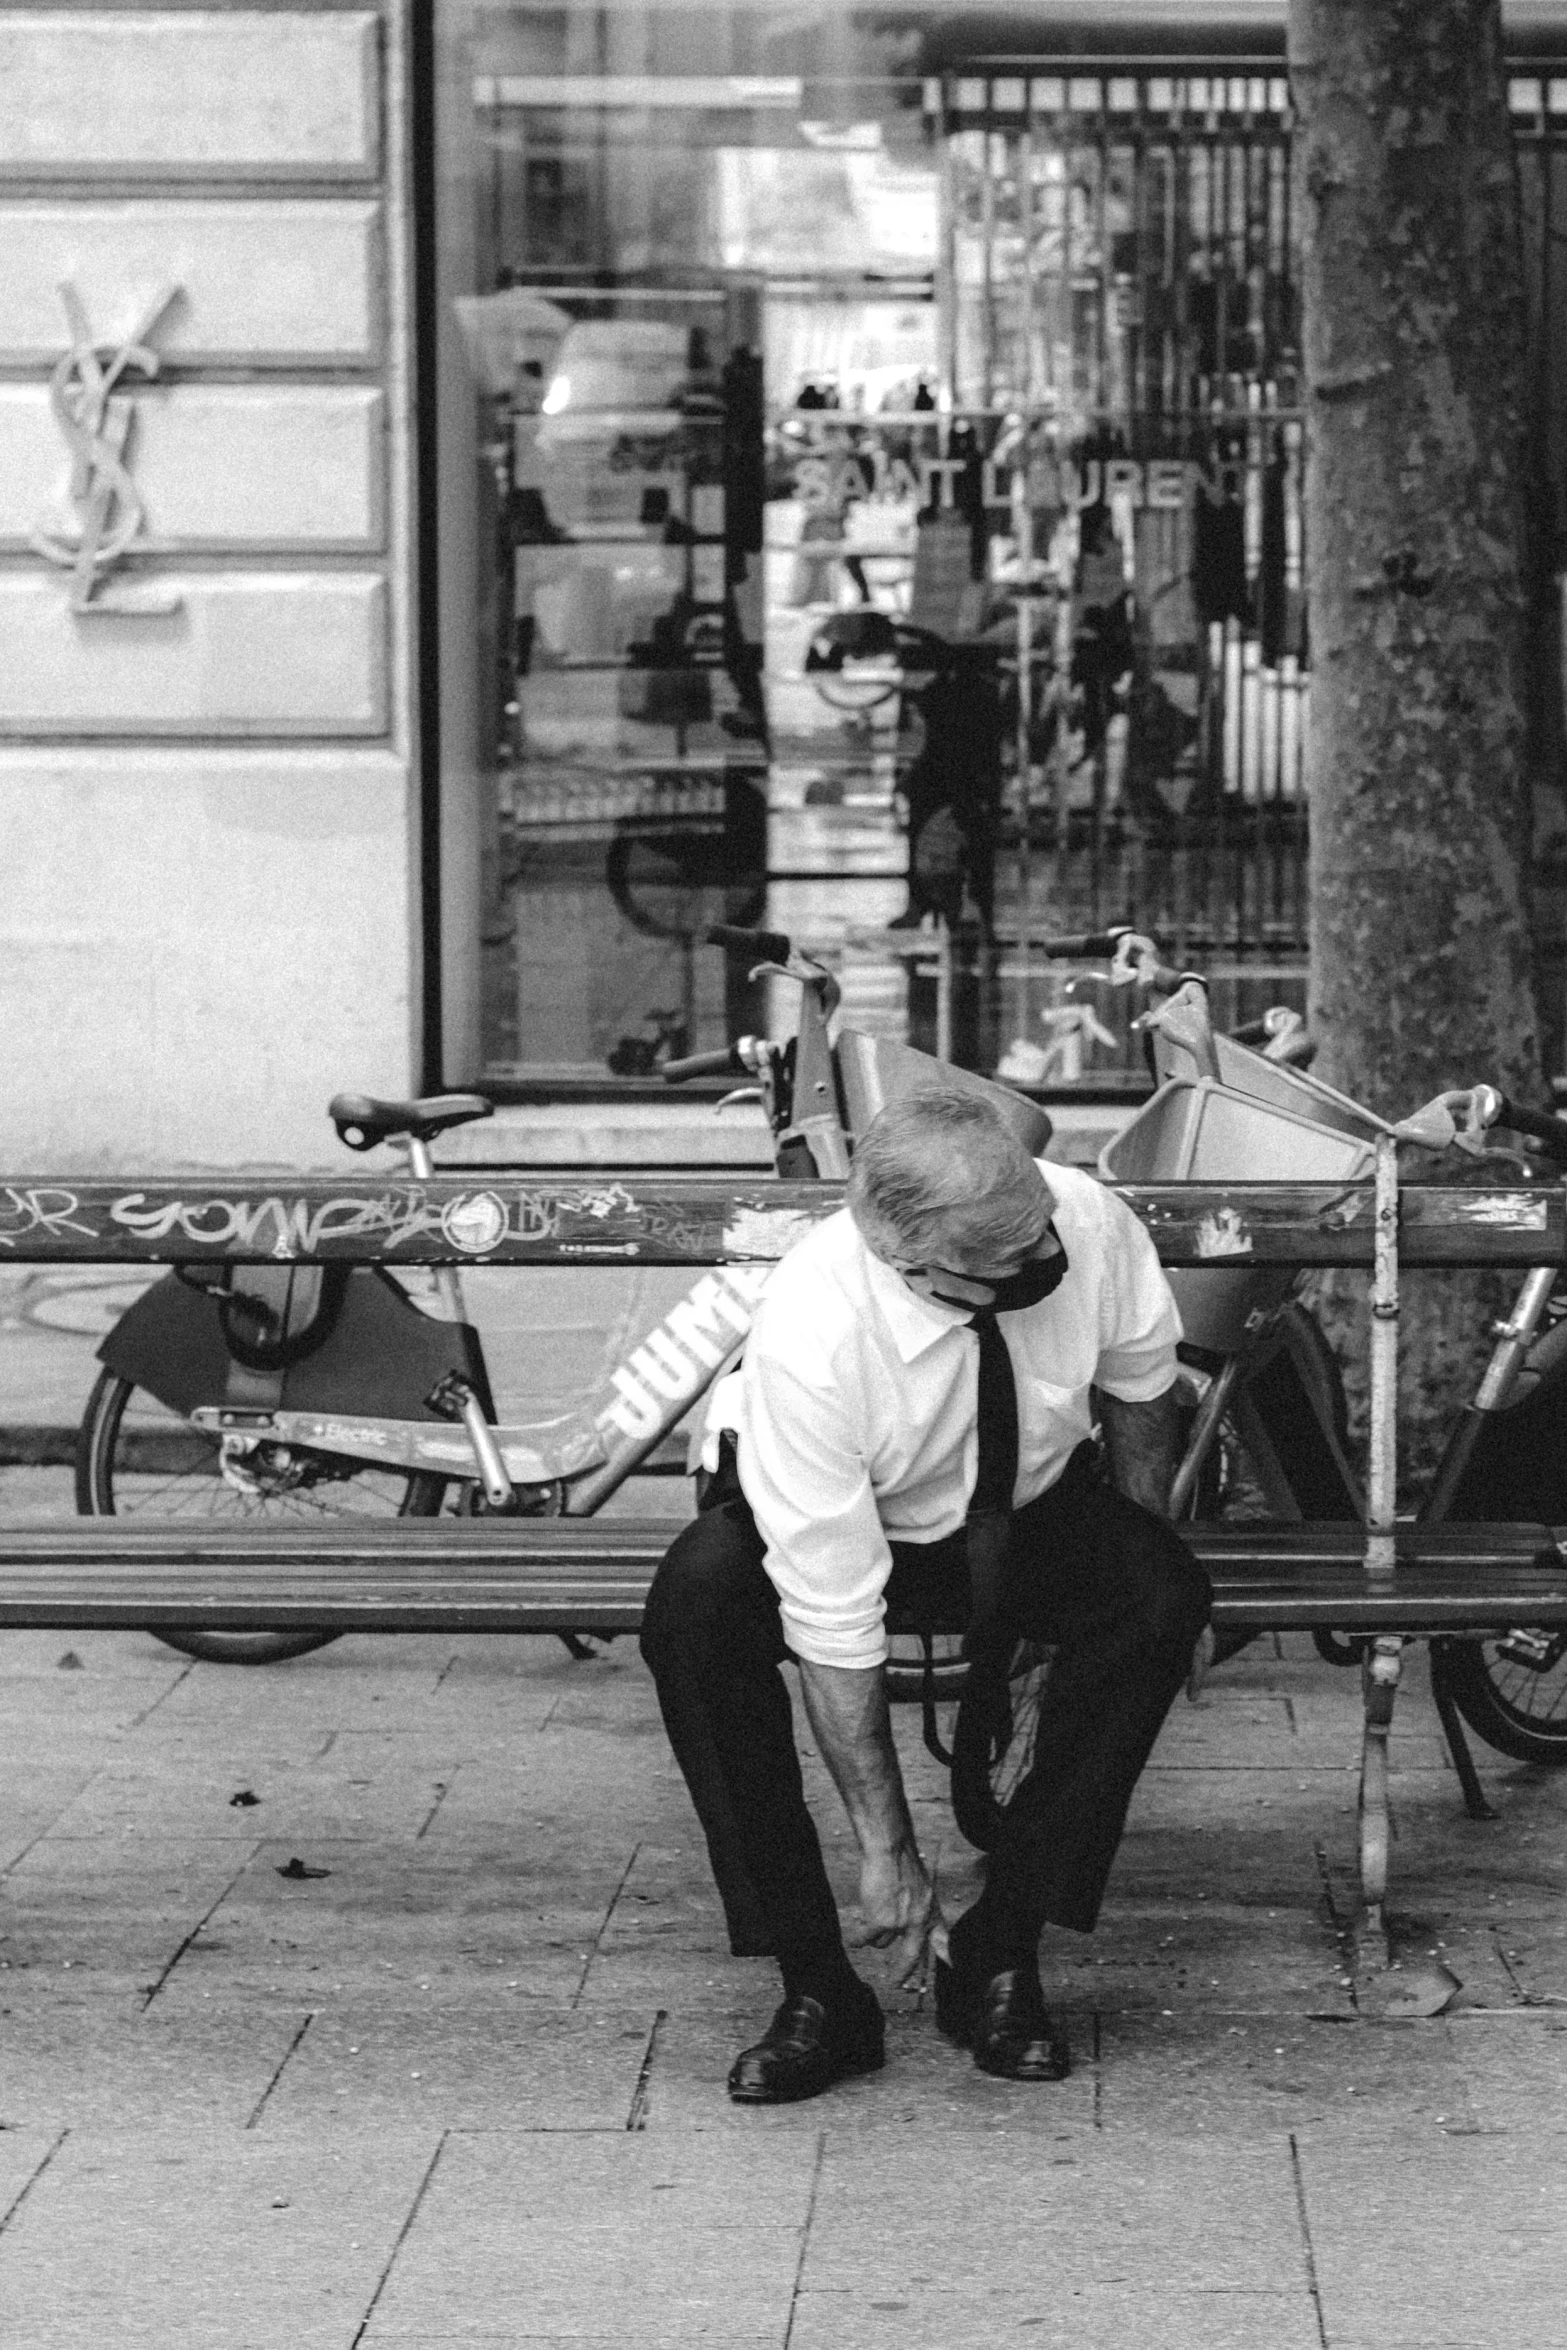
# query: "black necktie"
989,1521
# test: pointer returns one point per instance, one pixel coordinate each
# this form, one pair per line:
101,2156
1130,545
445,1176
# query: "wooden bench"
549,1575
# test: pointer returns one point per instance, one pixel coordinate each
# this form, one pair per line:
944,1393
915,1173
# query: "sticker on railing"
1223,1234
1516,1208
766,1232
475,1225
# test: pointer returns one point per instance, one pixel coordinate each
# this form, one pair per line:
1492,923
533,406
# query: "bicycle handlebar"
771,946
724,1063
1089,946
764,946
1539,1125
1466,1114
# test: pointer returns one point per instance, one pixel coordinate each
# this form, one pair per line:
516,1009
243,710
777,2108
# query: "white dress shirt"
855,1407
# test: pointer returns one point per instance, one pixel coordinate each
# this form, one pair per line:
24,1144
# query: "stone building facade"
209,790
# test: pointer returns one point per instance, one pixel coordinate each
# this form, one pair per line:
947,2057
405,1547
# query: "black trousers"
1110,1585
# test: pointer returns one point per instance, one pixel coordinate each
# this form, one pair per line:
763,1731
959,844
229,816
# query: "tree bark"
1416,503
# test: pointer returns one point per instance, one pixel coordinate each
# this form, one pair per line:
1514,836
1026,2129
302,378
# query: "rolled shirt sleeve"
1140,1326
810,1491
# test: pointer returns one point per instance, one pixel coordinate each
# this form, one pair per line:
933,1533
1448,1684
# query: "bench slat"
1421,1599
1450,1603
514,1546
565,1604
517,1547
591,1574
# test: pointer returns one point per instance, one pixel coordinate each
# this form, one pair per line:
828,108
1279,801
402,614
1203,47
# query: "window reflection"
889,528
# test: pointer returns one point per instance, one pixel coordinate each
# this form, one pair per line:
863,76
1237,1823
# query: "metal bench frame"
1385,1582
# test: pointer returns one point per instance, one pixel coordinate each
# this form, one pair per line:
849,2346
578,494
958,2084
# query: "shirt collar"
916,1322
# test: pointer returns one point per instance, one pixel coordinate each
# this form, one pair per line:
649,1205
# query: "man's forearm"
847,1706
848,1712
1143,1440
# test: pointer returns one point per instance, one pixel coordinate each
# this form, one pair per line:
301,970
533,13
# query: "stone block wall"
208,797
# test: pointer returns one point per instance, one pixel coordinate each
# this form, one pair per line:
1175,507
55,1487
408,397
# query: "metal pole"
987,232
1024,514
448,1282
1382,1484
946,266
1210,1412
1383,1661
943,989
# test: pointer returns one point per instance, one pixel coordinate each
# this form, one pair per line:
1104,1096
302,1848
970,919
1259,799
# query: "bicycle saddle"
362,1121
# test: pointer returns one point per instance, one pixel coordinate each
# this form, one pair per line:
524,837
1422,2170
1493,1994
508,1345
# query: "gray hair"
939,1169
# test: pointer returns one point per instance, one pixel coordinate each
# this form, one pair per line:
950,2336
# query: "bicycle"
294,1391
1499,1462
1504,1460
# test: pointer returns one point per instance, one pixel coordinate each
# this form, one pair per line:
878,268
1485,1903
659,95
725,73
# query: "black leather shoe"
806,2048
1005,2022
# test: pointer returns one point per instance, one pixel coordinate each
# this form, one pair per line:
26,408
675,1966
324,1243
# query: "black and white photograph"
783,1174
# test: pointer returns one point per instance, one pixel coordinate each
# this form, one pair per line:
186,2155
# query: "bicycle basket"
1194,1131
875,1069
1294,1091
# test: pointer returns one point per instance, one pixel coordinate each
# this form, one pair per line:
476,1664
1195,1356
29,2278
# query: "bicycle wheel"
1512,1692
1512,1688
134,1458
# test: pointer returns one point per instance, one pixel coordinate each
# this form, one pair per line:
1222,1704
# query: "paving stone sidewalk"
456,2079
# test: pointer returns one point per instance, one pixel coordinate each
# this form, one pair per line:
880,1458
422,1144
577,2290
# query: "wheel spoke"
1533,1699
122,1474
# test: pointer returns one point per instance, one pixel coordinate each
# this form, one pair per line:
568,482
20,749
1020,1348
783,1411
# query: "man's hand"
901,1913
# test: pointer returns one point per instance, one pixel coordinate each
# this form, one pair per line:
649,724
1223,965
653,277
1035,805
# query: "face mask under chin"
1028,1286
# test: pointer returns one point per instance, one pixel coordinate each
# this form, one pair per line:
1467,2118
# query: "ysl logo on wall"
96,419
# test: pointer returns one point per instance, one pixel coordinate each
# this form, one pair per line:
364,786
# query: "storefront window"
877,519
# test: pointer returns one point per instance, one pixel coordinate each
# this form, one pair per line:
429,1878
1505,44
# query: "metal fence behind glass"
927,598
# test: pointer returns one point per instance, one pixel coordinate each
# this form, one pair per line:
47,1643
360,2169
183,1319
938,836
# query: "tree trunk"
1416,499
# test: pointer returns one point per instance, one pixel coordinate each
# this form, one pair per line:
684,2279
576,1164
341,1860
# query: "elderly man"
912,1418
